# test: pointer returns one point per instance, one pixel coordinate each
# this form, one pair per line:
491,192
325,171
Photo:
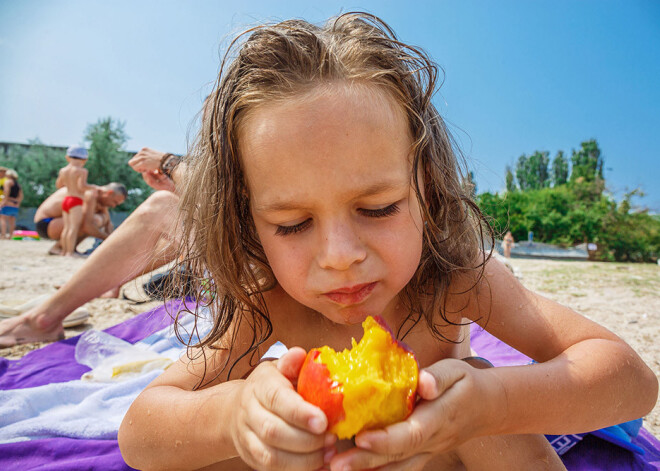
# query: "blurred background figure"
13,195
507,244
3,172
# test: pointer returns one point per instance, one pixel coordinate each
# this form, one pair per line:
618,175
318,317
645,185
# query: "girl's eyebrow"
371,190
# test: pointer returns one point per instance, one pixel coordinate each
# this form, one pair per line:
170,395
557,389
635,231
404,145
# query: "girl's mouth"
351,295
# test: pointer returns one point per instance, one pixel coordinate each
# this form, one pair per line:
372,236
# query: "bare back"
52,206
74,179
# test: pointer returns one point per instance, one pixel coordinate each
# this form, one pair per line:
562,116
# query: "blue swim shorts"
9,211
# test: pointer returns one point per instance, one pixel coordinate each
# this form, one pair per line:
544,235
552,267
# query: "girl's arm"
261,419
170,426
587,377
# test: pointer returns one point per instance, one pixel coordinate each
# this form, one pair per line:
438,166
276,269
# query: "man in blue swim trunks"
96,218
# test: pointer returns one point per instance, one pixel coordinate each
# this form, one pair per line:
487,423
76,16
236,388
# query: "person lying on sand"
95,222
140,244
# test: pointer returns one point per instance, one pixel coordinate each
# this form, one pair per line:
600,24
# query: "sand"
27,271
622,297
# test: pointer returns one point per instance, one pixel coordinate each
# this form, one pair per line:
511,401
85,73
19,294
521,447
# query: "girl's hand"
457,402
273,427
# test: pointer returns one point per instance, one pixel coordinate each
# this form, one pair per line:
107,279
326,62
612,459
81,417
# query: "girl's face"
329,178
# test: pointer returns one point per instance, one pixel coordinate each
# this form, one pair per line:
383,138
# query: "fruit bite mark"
369,386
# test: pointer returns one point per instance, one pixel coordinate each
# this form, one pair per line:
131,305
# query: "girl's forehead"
339,102
332,141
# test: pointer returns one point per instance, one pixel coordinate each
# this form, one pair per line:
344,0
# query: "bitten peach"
369,386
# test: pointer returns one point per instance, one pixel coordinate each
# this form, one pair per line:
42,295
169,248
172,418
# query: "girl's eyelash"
288,230
382,212
371,213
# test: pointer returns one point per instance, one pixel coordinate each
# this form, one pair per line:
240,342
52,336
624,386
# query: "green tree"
521,173
105,138
559,169
587,162
532,171
510,180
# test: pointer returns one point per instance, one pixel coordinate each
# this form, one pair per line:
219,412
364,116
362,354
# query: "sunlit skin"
332,201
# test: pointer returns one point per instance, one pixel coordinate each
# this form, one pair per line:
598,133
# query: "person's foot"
111,293
56,249
25,329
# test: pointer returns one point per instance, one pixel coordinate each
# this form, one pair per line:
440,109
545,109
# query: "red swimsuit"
71,202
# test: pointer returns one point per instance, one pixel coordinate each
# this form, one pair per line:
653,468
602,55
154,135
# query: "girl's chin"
351,316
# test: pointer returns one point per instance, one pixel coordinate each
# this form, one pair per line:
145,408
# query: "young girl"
323,189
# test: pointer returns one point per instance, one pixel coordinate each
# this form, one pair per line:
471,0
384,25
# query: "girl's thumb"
437,378
291,362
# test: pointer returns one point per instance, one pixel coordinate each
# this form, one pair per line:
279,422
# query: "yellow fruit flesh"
377,377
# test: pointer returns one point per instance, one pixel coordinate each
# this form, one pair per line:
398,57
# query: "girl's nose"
340,247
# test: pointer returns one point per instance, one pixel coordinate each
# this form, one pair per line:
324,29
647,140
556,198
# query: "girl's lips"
351,295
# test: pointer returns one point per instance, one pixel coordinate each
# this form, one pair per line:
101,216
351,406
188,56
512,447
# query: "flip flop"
77,317
14,308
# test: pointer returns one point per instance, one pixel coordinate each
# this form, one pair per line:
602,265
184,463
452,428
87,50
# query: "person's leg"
54,232
73,226
66,233
499,452
507,452
12,226
3,226
140,244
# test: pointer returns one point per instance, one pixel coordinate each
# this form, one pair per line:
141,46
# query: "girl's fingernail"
327,457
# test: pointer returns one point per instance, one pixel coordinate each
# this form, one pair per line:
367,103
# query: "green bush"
563,216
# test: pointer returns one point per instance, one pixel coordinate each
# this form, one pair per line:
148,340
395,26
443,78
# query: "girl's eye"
371,213
288,230
382,212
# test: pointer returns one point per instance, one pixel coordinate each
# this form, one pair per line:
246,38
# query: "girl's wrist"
227,429
495,403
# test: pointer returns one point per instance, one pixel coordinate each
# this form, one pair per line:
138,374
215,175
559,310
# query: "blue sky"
520,75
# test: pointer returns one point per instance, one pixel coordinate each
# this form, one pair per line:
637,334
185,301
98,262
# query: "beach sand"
622,297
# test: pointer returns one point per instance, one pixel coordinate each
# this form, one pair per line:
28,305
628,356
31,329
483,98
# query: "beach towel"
50,419
87,439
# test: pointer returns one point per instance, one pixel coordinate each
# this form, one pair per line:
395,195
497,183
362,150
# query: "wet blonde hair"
280,61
